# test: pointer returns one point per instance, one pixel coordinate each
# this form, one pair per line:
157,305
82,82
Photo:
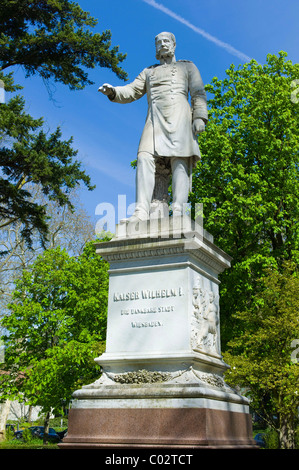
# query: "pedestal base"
158,428
162,381
194,410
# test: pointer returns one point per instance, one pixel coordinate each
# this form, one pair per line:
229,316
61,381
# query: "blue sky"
213,34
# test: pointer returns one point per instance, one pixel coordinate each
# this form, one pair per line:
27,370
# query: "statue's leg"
180,184
159,205
145,182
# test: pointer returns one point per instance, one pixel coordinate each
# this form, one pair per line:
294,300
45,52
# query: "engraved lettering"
121,296
170,308
144,310
147,294
145,324
161,293
144,294
125,312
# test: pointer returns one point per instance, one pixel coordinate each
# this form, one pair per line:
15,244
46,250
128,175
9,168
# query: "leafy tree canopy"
263,358
248,179
248,183
55,328
53,38
29,155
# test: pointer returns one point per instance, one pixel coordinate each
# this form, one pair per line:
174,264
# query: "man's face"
164,46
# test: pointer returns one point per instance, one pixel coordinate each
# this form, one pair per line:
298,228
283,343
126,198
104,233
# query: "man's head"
165,45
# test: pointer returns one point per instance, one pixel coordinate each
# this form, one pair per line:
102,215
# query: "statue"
210,324
171,127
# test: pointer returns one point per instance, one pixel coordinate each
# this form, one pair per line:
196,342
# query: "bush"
27,435
9,434
271,439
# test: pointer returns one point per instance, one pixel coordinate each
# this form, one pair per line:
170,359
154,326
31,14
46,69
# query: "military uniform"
168,127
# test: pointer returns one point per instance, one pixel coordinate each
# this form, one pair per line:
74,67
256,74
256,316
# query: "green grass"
19,444
33,443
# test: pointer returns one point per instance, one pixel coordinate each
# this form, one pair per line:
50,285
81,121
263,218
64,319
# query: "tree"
69,229
248,183
28,155
53,38
247,179
56,327
262,358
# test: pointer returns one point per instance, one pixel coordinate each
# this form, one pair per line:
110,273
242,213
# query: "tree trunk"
46,427
29,419
4,412
287,432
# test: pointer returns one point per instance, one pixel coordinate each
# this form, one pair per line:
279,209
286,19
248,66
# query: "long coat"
168,127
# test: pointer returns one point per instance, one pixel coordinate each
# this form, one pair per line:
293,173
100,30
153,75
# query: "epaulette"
153,66
182,60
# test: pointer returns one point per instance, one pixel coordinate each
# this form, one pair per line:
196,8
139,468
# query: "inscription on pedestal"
146,294
151,318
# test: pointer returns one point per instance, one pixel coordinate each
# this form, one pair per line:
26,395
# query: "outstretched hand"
106,89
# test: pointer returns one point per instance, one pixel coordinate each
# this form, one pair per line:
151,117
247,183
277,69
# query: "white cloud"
230,49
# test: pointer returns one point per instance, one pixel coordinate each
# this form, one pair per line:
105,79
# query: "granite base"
158,428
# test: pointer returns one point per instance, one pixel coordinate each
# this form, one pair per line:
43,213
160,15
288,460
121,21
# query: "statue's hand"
106,89
198,126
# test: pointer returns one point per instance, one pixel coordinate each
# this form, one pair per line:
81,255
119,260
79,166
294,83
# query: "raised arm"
127,93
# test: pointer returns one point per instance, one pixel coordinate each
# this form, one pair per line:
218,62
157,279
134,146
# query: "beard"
164,53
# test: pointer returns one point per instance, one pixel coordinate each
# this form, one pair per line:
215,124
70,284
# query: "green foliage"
9,434
54,39
56,327
247,179
272,439
27,435
248,183
261,357
20,444
29,155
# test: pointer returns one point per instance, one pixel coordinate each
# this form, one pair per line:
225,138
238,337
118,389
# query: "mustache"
168,53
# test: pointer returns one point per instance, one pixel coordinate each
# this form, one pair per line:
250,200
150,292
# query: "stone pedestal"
162,383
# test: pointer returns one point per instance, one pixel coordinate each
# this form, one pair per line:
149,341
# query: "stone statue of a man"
171,126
